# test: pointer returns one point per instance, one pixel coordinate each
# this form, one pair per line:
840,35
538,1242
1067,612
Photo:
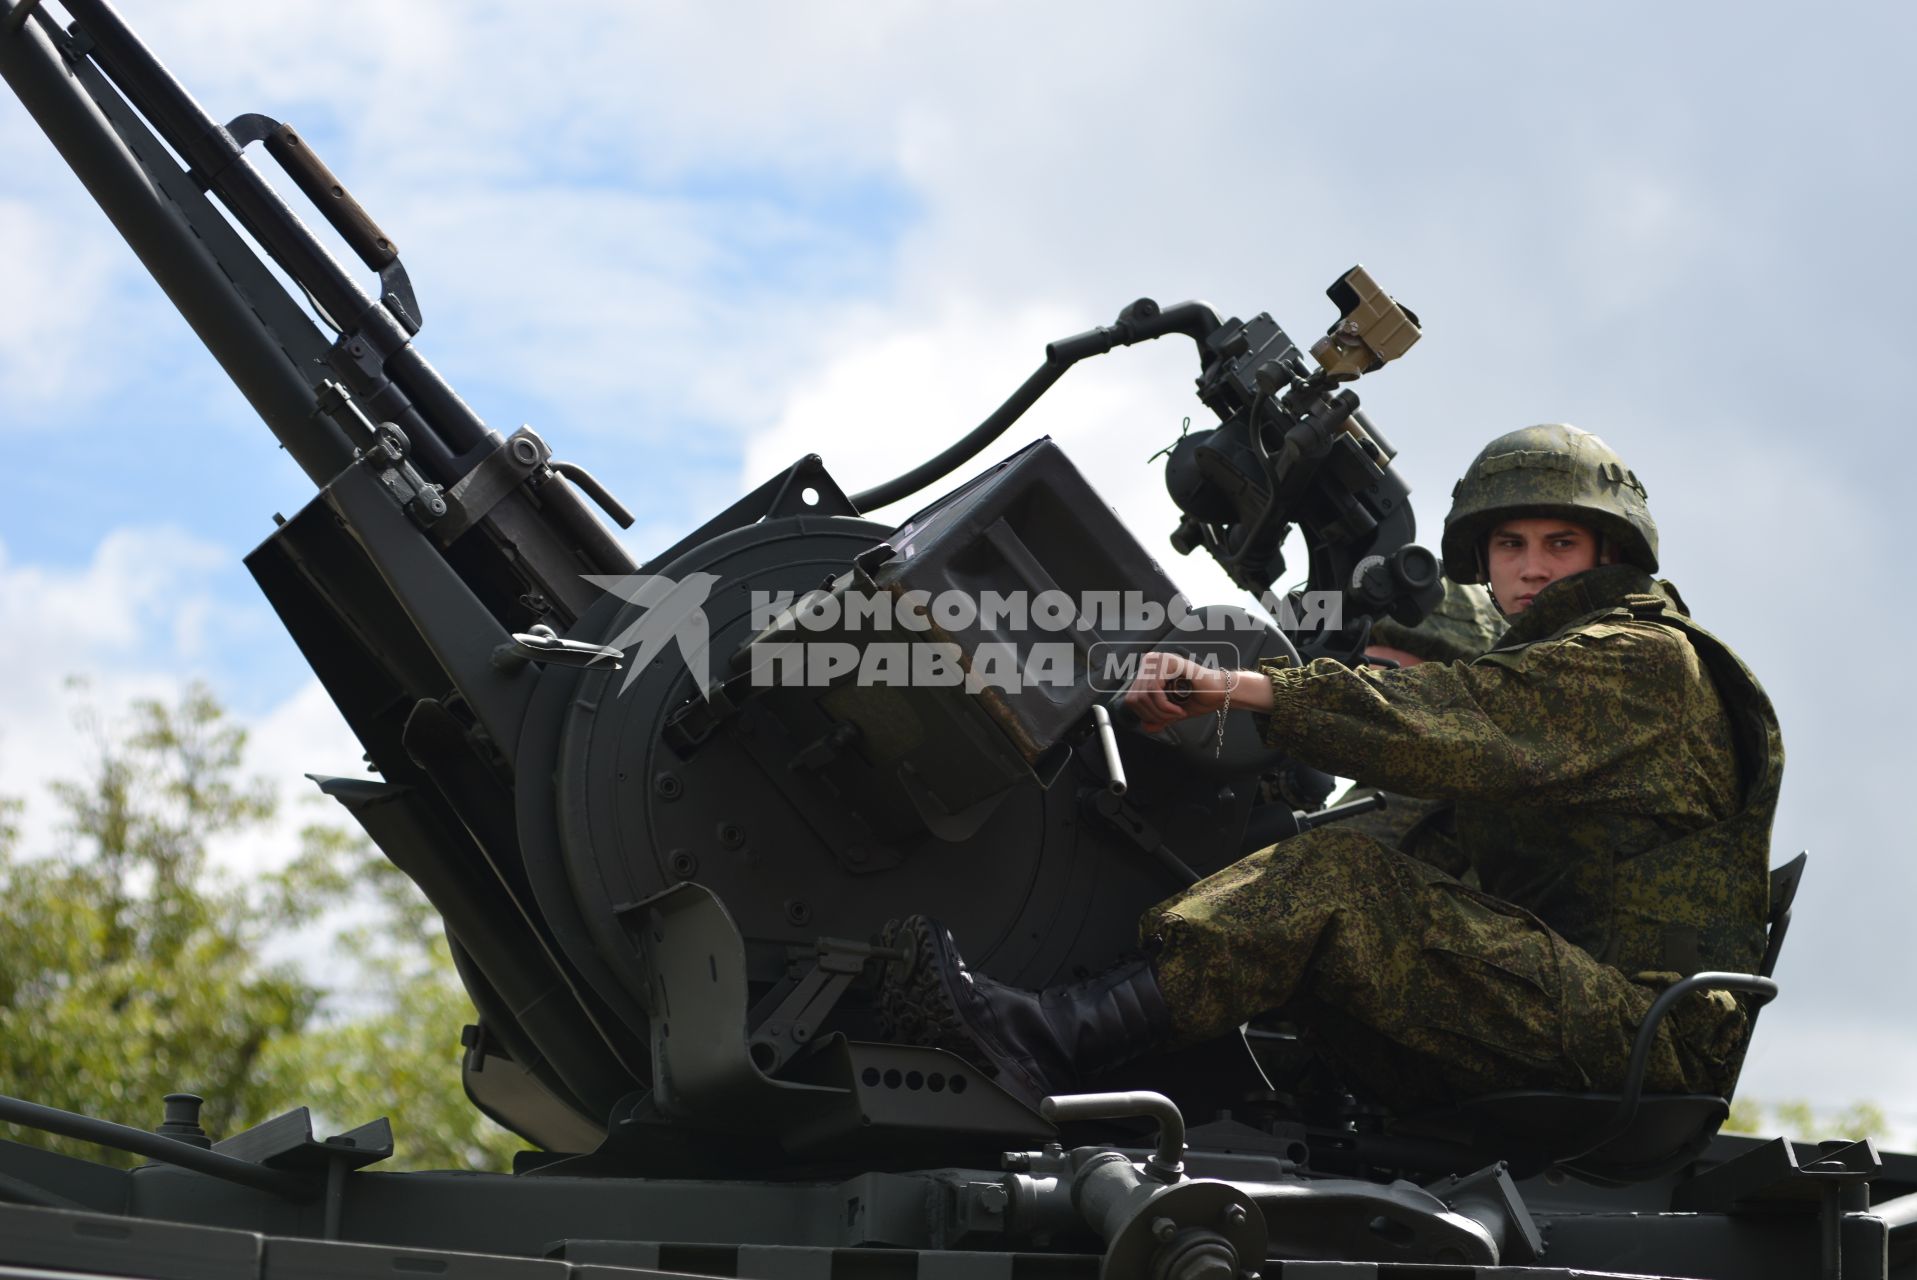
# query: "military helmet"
1463,625
1548,470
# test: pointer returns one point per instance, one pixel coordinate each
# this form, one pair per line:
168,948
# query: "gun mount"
661,862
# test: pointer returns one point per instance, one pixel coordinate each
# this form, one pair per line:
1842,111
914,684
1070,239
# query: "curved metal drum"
1047,885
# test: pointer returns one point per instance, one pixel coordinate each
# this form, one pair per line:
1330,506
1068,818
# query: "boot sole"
917,1006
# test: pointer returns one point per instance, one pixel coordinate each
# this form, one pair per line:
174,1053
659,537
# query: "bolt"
1234,1215
1163,1229
683,864
993,1199
798,911
668,786
1016,1161
731,835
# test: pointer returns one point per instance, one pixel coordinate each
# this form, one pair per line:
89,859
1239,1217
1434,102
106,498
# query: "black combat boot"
1036,1043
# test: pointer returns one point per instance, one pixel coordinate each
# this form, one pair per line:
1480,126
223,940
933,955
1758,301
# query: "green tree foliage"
131,968
392,1046
1798,1120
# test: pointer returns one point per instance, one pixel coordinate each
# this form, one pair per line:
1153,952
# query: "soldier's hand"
1170,688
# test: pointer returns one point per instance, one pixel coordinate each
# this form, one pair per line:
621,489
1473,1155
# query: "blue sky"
690,243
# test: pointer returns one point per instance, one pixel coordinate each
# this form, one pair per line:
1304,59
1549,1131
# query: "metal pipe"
335,1199
1339,812
602,552
172,1151
1142,321
71,105
219,160
18,16
1830,1232
1167,1163
1761,990
1898,1213
591,487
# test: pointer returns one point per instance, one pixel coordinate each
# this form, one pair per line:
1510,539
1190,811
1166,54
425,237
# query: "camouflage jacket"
1614,767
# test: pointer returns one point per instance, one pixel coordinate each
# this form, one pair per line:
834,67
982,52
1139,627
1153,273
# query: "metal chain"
1181,690
1218,747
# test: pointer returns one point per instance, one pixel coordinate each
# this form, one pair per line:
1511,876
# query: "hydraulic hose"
1140,322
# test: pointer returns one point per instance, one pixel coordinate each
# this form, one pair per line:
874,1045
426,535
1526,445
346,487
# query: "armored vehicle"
666,808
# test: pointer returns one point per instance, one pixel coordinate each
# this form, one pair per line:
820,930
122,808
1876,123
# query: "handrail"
1167,1163
1761,989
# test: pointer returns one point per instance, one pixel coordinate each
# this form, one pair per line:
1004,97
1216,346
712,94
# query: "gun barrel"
382,369
83,89
198,261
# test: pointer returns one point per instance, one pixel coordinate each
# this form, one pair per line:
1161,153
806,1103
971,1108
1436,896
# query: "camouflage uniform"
1464,624
1614,770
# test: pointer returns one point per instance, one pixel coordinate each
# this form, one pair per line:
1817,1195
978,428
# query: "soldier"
1614,769
1464,624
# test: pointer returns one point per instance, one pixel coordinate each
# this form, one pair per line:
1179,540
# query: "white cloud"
303,734
132,623
612,317
112,621
62,291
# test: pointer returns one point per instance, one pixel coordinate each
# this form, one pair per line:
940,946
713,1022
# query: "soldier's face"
1523,557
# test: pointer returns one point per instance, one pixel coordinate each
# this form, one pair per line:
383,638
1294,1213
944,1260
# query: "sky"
690,243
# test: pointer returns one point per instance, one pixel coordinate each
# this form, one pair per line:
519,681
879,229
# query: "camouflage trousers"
1425,991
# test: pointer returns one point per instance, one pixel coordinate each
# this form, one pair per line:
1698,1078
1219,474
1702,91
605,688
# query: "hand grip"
310,173
1108,745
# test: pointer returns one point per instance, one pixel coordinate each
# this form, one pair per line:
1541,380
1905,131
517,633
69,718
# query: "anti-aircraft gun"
664,809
